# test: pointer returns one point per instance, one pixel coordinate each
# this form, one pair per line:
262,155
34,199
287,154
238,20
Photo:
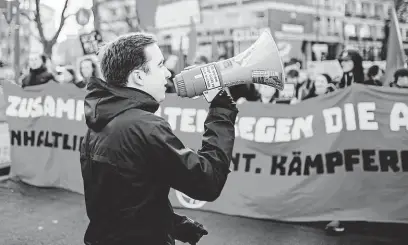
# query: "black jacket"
246,91
346,80
80,84
372,82
130,159
37,77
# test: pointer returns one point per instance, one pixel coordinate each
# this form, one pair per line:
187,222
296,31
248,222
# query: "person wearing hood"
130,158
352,65
38,73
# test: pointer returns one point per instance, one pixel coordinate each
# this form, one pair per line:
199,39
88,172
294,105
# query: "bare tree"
133,20
48,44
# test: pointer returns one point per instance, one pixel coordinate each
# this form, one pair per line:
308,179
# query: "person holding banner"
38,73
130,157
352,64
400,78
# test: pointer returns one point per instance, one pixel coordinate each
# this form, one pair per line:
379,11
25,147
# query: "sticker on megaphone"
270,78
260,63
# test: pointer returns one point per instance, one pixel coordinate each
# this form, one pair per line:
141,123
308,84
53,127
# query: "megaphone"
260,63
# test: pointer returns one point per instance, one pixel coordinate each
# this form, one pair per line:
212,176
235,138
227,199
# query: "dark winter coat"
372,82
80,84
37,77
130,159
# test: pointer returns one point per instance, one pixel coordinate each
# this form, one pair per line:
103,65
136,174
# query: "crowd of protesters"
40,71
304,87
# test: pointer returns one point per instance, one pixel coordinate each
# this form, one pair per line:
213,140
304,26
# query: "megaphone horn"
260,63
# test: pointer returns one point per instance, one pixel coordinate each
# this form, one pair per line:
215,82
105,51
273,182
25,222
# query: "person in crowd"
353,72
267,94
352,65
38,72
201,60
302,87
374,75
244,92
66,75
293,64
130,157
321,85
87,69
222,57
400,78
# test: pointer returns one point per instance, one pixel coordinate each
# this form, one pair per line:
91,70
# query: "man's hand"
187,230
223,100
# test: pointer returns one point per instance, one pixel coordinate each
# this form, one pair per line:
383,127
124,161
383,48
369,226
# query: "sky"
71,27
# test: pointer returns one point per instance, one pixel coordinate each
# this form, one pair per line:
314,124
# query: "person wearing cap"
352,65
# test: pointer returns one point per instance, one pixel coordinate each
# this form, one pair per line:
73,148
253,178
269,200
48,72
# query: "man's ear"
137,77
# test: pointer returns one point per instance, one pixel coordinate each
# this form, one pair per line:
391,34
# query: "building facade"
116,17
29,42
303,29
7,37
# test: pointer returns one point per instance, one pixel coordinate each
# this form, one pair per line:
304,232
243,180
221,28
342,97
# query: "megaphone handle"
228,91
209,95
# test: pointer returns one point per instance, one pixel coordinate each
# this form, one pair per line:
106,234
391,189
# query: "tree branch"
62,22
27,16
37,18
70,15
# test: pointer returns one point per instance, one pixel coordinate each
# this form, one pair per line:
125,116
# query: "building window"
330,26
380,32
350,30
358,9
366,10
338,28
328,4
364,32
350,8
379,11
373,31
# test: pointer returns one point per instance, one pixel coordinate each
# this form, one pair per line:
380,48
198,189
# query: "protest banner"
46,124
341,156
5,161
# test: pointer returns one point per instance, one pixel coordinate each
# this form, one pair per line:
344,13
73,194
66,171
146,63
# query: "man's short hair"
403,72
292,74
373,71
123,55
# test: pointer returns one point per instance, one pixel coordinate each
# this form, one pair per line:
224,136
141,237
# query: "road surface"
44,216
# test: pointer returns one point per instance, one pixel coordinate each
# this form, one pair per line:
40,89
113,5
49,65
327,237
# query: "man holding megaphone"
130,157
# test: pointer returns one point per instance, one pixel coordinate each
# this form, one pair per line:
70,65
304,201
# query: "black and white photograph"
204,122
